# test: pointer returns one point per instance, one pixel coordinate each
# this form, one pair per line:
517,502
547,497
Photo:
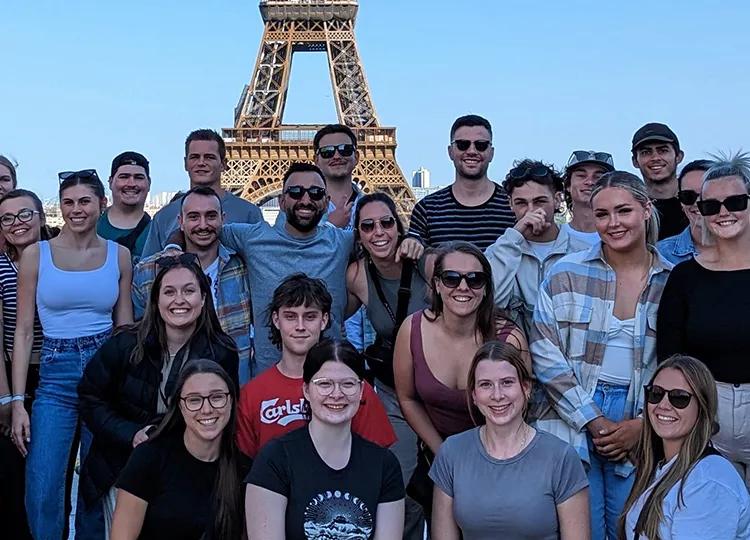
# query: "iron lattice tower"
260,147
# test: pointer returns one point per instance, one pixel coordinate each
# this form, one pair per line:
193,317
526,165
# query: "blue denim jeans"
54,428
607,490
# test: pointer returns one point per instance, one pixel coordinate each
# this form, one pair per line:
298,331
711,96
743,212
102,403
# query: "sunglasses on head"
452,279
168,261
368,225
85,173
678,398
316,193
580,156
464,144
688,196
537,171
733,203
344,150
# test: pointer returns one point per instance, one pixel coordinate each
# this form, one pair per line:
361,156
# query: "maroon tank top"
447,407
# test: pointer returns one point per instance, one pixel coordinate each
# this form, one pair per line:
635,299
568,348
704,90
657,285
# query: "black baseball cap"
655,132
129,158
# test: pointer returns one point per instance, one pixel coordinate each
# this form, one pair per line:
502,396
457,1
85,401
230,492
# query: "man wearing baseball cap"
583,170
125,222
656,153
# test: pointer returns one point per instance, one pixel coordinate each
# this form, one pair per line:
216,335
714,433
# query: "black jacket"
118,398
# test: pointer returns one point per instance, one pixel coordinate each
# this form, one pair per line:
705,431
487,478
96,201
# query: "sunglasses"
464,145
368,225
688,196
344,150
85,173
734,203
452,279
168,261
316,193
679,399
24,216
580,156
537,171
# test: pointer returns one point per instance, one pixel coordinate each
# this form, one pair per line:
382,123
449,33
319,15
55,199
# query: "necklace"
485,440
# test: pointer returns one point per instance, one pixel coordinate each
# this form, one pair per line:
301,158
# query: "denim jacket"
678,248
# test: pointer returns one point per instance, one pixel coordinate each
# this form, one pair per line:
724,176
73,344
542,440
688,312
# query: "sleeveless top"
447,407
74,304
9,294
376,311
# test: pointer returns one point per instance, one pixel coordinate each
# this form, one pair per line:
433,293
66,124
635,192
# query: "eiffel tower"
260,147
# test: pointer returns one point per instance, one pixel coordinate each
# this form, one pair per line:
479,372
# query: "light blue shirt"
271,254
678,248
716,504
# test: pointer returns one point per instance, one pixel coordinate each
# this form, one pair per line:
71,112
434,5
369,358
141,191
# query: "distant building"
160,199
421,192
420,178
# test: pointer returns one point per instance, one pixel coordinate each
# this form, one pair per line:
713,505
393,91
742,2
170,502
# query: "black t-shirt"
704,313
176,486
323,502
672,220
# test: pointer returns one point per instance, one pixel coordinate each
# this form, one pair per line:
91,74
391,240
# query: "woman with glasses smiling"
321,480
23,224
184,482
128,385
684,489
434,347
704,309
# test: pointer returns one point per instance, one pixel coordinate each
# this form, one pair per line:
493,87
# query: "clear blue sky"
82,80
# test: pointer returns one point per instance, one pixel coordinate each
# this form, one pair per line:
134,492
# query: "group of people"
540,367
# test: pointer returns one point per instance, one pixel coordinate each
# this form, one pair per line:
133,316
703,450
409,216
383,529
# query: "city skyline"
136,79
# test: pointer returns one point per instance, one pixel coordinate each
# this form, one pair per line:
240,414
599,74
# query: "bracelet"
17,397
5,399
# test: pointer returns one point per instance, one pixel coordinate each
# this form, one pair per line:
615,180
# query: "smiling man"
125,222
474,208
656,153
205,160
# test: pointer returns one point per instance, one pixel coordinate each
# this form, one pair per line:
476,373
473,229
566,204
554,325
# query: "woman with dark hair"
704,309
549,499
321,480
593,342
22,223
80,285
390,288
434,347
131,380
184,482
684,489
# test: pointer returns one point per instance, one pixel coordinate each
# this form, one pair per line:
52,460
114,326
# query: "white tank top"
73,304
617,364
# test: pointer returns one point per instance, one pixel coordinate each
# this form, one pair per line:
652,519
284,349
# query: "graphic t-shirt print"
335,515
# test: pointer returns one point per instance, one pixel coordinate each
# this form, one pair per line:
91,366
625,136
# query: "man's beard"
306,226
475,176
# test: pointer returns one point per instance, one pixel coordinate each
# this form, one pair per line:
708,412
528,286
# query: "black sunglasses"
168,261
580,156
688,196
464,144
316,193
537,171
733,203
85,173
344,150
452,279
678,398
368,225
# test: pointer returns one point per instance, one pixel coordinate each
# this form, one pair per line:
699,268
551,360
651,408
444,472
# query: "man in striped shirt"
474,208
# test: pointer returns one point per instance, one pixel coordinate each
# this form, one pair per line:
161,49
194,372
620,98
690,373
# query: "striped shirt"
568,337
440,218
8,293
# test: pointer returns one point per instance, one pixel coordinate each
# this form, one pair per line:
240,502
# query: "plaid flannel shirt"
568,337
233,303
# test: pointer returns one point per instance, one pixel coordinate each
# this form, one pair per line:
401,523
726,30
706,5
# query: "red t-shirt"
272,404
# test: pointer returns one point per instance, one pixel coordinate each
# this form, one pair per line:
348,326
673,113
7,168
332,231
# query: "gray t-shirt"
512,499
271,254
236,210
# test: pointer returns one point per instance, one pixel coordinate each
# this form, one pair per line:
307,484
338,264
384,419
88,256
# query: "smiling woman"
593,342
184,483
131,381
